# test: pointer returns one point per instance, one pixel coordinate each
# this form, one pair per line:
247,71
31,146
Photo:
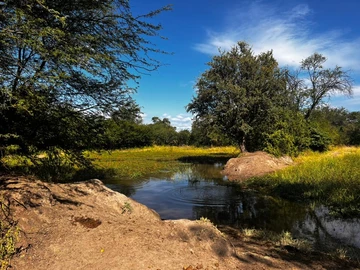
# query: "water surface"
199,190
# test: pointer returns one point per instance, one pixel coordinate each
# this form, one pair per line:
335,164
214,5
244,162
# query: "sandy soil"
254,164
88,226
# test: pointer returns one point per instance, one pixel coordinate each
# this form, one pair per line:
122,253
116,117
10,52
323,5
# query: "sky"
196,29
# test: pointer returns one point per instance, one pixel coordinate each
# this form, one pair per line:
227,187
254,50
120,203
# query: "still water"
199,190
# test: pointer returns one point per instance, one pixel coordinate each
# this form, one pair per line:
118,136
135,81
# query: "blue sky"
293,29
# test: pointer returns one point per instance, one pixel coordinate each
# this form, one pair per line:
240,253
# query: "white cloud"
143,116
289,34
352,104
180,121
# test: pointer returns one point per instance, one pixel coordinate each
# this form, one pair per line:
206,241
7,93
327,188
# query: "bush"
319,140
280,142
289,136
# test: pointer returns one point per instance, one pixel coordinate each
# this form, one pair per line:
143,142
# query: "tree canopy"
239,92
322,83
260,106
64,61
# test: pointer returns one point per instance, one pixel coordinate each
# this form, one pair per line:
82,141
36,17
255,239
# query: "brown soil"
248,165
88,226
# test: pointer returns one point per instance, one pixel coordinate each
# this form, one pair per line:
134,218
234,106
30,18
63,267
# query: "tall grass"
141,162
331,178
130,163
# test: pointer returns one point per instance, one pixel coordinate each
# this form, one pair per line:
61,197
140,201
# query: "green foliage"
184,137
162,132
280,143
319,140
203,133
238,92
247,99
323,83
127,208
125,134
290,134
9,234
64,63
331,178
141,162
353,128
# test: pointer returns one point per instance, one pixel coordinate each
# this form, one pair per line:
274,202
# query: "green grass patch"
131,163
331,178
9,234
141,162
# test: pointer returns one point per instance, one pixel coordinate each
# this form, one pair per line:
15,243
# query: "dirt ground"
88,226
254,164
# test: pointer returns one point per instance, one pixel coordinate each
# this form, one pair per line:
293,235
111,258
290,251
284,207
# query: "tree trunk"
242,146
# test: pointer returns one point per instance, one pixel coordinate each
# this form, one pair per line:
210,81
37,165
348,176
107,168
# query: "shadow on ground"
221,158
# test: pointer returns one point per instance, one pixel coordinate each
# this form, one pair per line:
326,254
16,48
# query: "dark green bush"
319,140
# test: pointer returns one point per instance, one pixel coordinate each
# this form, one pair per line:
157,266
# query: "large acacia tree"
239,93
64,61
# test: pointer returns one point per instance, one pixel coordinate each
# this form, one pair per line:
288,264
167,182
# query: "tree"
353,129
162,132
65,60
125,134
239,92
129,112
184,137
323,83
205,134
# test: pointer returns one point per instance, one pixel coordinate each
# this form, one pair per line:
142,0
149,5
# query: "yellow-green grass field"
140,162
331,178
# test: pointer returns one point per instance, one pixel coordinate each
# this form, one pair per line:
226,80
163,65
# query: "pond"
199,190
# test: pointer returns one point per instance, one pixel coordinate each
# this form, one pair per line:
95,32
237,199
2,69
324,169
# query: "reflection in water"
327,231
199,190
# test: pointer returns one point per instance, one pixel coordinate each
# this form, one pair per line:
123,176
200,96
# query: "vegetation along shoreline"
69,74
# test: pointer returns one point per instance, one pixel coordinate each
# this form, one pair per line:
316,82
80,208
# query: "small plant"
127,208
341,253
249,232
205,220
279,239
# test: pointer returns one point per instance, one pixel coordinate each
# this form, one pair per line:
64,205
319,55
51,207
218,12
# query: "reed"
331,178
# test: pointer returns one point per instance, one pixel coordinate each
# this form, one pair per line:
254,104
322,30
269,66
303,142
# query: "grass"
9,234
130,163
279,239
331,178
141,162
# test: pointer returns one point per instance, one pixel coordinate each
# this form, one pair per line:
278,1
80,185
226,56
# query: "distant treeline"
66,71
326,126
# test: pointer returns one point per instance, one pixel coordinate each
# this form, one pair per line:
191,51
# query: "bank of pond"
316,199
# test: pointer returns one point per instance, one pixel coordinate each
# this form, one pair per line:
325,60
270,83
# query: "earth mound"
248,165
88,226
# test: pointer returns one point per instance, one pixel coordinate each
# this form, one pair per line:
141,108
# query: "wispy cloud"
352,104
289,34
180,121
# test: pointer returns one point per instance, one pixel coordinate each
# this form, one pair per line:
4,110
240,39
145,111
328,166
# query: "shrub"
319,140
